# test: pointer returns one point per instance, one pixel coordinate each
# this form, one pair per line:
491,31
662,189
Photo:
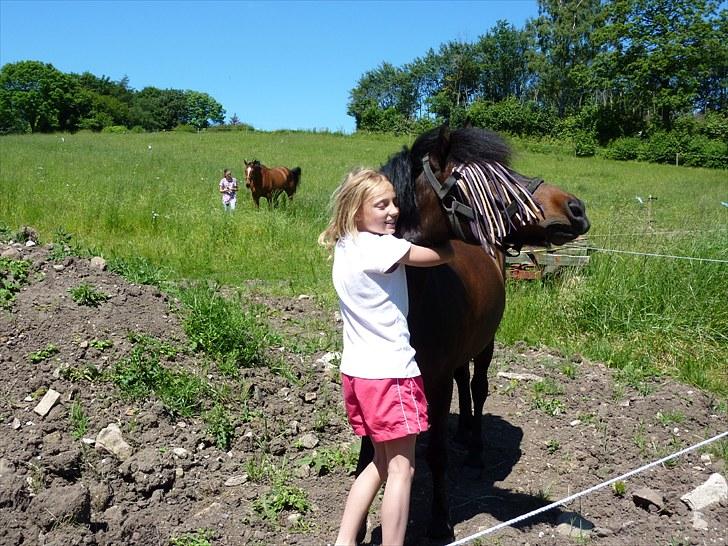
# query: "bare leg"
400,455
360,497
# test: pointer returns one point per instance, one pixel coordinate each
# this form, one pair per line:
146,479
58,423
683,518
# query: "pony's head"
458,185
250,169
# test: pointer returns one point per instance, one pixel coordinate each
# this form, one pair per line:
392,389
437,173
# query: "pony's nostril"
576,208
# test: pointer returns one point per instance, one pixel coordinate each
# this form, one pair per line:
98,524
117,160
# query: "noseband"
457,211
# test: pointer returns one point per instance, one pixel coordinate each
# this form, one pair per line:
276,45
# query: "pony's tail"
296,172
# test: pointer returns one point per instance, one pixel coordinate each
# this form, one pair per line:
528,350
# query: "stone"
47,402
233,481
180,452
699,522
520,376
111,440
11,253
648,498
99,263
309,440
714,490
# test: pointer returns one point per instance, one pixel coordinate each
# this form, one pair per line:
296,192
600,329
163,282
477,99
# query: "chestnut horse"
455,309
270,183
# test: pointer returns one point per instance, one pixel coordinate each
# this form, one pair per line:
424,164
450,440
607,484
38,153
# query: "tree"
503,59
39,97
383,88
563,51
665,56
202,108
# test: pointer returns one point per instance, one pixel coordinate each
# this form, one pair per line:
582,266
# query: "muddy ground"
175,486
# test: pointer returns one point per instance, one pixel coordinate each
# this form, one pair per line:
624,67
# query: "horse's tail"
296,174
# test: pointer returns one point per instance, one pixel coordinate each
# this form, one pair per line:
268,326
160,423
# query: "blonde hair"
346,201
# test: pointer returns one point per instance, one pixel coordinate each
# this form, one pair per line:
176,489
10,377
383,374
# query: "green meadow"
154,196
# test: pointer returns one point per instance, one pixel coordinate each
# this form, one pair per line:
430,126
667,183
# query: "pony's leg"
438,410
256,200
479,388
366,456
465,417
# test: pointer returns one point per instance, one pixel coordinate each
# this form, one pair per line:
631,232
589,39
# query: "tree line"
595,71
37,97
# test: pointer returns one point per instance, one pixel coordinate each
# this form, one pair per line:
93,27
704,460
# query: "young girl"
228,188
383,390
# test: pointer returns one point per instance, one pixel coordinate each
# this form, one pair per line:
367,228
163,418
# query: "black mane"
466,145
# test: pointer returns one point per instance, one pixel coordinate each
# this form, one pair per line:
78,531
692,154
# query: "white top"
374,305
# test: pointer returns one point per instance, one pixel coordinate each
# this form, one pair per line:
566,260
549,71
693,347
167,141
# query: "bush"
116,129
623,149
704,152
512,116
185,128
585,145
661,147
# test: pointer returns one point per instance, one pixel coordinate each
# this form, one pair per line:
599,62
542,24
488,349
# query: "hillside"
284,476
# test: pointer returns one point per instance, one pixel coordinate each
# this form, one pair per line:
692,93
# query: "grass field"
155,196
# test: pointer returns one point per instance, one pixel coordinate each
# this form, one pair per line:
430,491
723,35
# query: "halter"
487,187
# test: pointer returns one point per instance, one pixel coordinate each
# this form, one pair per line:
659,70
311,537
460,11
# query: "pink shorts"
385,409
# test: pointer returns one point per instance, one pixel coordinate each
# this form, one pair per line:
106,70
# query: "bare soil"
57,489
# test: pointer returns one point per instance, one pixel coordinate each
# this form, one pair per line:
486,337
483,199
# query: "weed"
509,389
43,354
552,446
619,488
548,386
640,439
79,420
569,370
13,275
282,496
720,450
88,372
587,418
219,426
550,406
101,344
85,294
139,270
36,478
259,468
326,460
670,417
201,537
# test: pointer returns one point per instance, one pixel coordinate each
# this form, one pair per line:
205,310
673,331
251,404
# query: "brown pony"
270,183
455,309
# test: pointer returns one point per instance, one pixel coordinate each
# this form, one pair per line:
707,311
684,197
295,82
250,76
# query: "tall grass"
152,199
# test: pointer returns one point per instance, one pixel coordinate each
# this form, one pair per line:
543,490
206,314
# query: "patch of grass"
670,417
550,406
86,294
139,270
720,450
231,331
569,370
79,420
13,276
549,387
201,537
43,354
141,375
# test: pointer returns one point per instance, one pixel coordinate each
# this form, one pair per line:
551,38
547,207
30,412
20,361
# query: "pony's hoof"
441,530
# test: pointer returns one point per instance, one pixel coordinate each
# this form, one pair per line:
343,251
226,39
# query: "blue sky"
277,65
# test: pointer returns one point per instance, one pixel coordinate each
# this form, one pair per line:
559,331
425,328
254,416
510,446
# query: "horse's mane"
467,144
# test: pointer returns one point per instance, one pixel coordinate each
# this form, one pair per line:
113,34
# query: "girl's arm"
423,256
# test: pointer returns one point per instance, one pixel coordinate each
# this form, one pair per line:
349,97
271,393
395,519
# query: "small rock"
99,263
520,376
304,297
30,243
705,458
112,441
83,344
309,440
47,402
699,522
294,518
310,397
58,267
16,423
233,481
180,452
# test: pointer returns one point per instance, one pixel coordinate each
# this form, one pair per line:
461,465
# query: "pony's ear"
246,163
438,155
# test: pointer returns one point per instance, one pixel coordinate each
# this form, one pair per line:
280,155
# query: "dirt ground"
586,426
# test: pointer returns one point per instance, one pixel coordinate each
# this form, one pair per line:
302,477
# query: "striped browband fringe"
490,189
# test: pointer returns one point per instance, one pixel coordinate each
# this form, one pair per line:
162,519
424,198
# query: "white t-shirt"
374,306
